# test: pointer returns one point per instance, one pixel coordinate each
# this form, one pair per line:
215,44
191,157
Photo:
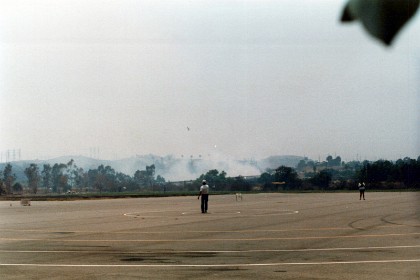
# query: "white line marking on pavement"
212,239
147,214
214,251
199,231
210,265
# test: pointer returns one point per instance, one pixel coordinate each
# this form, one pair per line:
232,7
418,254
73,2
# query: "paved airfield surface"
264,236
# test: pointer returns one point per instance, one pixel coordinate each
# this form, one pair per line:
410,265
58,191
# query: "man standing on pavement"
204,193
362,188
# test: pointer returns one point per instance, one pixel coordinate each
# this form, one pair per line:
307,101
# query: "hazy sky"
249,78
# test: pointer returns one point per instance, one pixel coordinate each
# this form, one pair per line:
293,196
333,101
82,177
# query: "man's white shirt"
204,189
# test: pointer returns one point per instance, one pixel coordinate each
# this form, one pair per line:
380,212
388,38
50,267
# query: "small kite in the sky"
188,128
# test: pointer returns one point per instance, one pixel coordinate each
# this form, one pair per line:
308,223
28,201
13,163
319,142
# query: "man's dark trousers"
204,203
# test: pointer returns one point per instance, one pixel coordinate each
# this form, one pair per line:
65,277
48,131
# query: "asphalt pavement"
264,236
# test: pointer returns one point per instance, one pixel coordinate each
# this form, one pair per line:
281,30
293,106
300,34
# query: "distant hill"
169,167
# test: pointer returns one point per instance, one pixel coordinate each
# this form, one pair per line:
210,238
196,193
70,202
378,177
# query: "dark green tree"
2,186
17,188
140,177
160,180
289,176
32,173
150,173
79,178
329,160
124,182
145,178
301,165
8,178
46,175
266,180
240,184
215,180
59,178
322,179
106,179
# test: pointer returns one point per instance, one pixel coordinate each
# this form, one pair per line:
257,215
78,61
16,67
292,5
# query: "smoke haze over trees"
331,174
169,167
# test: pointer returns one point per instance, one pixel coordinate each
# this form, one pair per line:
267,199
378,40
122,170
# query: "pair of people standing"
204,193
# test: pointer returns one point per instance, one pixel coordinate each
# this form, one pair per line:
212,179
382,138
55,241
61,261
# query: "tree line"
68,178
332,174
